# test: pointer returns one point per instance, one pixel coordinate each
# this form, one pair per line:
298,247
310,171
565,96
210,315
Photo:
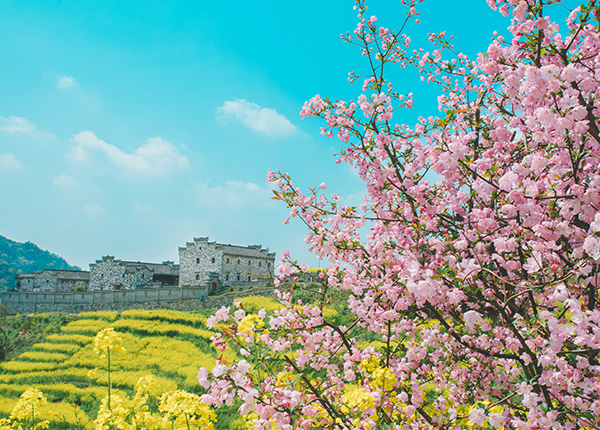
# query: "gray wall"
179,298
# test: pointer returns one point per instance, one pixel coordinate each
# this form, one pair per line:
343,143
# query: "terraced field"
169,345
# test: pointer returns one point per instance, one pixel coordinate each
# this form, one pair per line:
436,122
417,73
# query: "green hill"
16,257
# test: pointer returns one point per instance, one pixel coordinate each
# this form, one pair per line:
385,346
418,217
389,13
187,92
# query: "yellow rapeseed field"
169,345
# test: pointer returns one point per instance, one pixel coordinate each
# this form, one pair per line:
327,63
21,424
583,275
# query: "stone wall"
109,274
51,281
25,283
182,299
245,269
197,260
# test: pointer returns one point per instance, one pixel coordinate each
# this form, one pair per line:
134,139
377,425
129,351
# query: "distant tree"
473,263
16,257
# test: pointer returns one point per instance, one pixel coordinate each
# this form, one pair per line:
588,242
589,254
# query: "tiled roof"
165,268
60,274
157,268
73,274
245,251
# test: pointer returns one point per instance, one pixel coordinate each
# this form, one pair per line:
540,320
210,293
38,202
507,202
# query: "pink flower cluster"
472,267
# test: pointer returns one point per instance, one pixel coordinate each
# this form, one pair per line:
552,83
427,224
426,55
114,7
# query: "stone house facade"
112,274
53,280
203,263
223,266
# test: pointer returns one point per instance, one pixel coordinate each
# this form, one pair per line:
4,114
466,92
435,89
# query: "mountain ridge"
24,257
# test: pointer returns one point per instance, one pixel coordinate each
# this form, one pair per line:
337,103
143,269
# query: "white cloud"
142,209
93,210
66,82
156,157
234,194
263,120
17,124
65,182
9,162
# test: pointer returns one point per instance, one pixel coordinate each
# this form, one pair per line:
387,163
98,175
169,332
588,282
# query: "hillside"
168,345
16,257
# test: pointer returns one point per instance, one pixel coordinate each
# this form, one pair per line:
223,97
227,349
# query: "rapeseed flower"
249,323
357,397
383,377
107,340
27,409
184,409
370,364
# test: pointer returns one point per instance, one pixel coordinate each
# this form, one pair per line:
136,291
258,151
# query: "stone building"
223,266
112,274
53,280
212,265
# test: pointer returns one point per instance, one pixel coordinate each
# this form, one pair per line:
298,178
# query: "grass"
19,333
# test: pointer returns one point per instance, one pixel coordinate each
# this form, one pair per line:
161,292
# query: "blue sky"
128,128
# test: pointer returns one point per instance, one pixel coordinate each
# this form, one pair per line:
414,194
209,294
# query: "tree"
472,264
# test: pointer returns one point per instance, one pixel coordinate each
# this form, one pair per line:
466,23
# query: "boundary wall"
177,298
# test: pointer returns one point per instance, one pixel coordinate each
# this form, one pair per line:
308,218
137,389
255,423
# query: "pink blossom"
477,416
470,264
203,377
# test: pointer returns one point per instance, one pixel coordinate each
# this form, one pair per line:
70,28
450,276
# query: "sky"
129,127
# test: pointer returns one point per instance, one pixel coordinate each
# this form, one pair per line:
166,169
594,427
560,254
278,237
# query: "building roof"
77,275
165,268
255,251
156,268
246,251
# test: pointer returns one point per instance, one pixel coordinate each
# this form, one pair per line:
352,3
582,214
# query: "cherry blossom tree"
472,264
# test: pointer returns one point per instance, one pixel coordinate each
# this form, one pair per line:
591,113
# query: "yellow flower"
28,406
384,378
147,384
284,379
107,340
356,397
249,323
370,364
181,407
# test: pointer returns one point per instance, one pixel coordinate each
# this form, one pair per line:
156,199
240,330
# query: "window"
238,261
197,277
260,264
239,277
213,259
249,262
228,260
227,277
197,261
